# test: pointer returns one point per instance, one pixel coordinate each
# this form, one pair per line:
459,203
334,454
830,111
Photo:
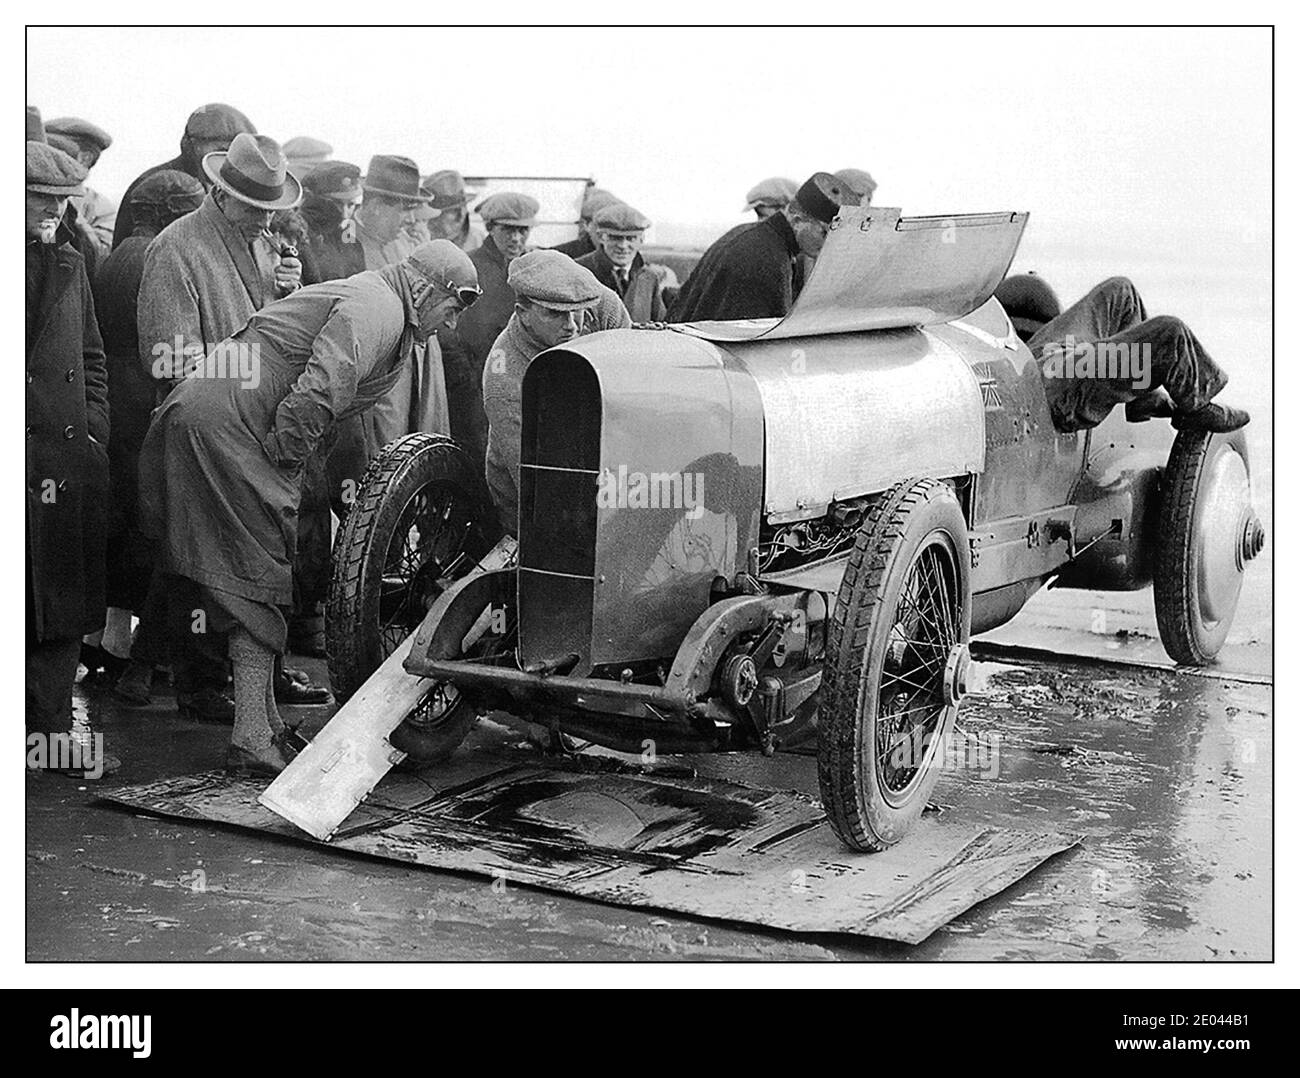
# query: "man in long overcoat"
66,447
204,276
224,456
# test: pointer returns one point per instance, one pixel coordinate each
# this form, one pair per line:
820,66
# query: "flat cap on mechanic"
553,279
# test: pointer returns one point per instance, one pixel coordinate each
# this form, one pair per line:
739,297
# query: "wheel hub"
1226,528
955,671
739,681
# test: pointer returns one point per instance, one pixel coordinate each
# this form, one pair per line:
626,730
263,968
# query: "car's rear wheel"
896,660
417,524
1208,532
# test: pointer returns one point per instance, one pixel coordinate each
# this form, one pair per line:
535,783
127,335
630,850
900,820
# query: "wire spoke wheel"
416,527
896,660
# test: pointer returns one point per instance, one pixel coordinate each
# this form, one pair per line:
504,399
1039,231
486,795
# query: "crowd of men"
179,522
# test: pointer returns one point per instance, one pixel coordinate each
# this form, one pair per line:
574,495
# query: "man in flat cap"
751,272
595,200
554,296
331,196
391,194
224,458
97,212
860,182
304,153
451,199
204,276
158,201
209,129
509,218
770,196
67,456
618,263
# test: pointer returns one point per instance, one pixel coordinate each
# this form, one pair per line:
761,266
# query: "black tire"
418,522
913,544
1203,544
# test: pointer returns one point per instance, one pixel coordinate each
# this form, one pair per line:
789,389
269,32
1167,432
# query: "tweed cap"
53,172
340,180
509,208
218,121
444,264
62,142
619,217
858,180
554,280
773,191
595,200
83,131
822,195
169,189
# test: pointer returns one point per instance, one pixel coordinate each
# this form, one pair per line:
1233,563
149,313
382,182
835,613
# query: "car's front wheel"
896,660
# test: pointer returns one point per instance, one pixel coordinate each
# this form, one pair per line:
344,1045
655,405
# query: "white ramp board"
345,761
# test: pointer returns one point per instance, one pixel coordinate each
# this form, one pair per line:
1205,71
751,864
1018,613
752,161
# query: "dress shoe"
288,690
1217,418
206,705
134,687
269,762
104,765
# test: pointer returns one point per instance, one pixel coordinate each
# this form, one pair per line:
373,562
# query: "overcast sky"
1102,133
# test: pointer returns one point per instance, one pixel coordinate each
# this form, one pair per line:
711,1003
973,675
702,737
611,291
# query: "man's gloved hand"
299,426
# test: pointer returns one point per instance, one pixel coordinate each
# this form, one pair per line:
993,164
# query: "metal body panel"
851,415
678,489
1028,464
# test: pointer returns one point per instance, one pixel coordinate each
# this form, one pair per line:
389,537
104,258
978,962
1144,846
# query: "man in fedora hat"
204,276
618,263
451,199
751,271
97,212
225,460
391,193
509,218
209,128
66,447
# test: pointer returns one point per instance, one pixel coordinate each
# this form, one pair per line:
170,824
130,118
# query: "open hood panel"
880,270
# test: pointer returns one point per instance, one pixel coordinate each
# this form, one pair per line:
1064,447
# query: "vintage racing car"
741,535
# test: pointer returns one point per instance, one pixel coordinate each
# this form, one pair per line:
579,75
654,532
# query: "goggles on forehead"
465,294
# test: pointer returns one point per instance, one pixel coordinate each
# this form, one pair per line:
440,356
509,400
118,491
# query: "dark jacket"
326,256
131,400
67,473
748,273
579,248
644,295
481,324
